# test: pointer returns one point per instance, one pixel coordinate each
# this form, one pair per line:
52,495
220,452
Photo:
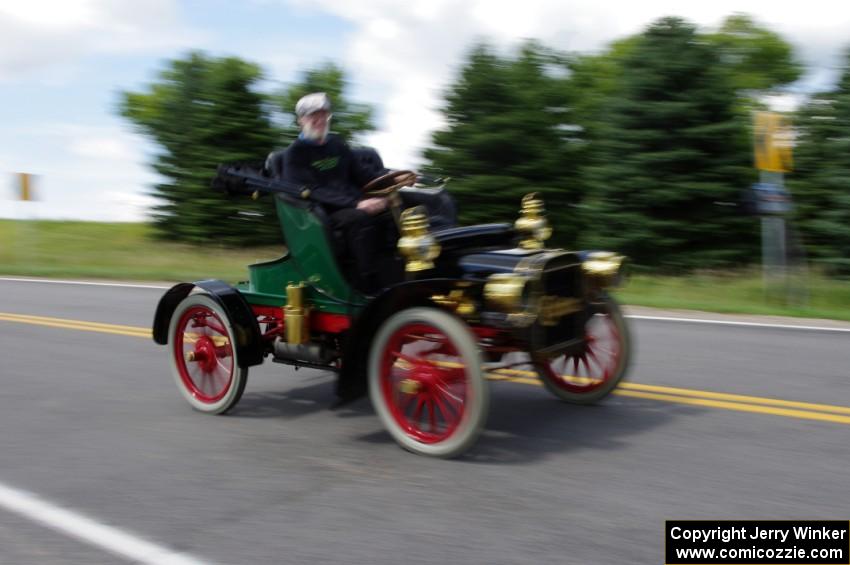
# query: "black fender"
249,343
352,382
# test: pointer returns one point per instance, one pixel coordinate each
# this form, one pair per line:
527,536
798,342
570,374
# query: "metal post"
765,254
774,252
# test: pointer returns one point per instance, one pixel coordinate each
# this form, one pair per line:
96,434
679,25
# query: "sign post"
773,141
23,233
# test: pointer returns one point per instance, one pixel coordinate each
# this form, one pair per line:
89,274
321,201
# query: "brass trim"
218,340
504,291
296,315
553,308
603,268
546,308
532,223
458,301
408,386
416,243
295,296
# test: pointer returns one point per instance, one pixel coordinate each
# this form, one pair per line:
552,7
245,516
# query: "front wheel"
426,382
203,355
591,373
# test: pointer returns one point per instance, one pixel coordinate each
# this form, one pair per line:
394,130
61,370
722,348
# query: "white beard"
314,134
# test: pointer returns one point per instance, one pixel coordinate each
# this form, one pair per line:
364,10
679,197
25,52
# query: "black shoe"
349,391
344,401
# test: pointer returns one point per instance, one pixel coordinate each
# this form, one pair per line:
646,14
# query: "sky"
64,63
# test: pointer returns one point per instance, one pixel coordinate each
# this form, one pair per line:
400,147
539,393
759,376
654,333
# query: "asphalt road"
93,424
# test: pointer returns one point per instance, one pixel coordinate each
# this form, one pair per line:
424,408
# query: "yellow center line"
815,412
738,398
726,401
740,407
703,394
76,325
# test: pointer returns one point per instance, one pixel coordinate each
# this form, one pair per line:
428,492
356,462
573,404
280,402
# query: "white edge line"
636,317
86,283
88,530
746,324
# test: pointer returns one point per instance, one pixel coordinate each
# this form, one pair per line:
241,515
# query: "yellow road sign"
25,183
774,140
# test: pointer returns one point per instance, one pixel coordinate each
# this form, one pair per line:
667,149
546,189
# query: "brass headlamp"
510,293
532,224
504,292
603,268
416,243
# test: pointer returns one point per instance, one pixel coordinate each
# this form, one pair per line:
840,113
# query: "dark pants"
369,241
364,239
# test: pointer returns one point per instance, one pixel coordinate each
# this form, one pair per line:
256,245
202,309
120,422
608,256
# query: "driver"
326,164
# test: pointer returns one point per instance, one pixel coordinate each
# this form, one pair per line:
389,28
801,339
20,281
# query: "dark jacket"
330,170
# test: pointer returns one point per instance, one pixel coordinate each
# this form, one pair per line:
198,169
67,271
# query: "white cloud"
384,28
39,36
103,174
52,15
102,147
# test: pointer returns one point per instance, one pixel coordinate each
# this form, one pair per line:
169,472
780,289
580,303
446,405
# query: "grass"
812,296
128,252
115,251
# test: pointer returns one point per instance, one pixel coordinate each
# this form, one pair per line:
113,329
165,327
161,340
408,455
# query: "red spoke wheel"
592,373
203,355
426,382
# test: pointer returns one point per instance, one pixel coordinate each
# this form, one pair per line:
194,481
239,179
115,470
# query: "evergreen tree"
510,132
672,157
204,111
757,58
596,81
820,182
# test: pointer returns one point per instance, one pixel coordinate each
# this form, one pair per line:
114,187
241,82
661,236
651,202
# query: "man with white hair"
325,164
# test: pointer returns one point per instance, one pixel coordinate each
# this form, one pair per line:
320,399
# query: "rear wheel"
203,355
426,382
593,372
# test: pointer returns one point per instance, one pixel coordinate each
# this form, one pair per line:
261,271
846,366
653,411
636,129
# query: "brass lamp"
416,243
604,268
532,224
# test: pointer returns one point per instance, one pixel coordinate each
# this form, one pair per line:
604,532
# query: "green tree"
203,111
757,58
350,119
595,80
820,182
671,157
510,131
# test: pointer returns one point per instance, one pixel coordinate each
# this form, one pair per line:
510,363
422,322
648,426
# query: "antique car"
460,306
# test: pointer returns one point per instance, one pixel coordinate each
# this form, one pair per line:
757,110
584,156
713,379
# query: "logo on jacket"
325,164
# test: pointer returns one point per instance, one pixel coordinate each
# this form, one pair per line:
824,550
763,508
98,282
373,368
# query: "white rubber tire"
475,407
239,375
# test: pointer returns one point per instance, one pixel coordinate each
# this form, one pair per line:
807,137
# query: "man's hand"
409,179
372,205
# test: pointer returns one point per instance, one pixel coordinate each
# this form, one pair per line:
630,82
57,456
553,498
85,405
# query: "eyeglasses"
319,115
